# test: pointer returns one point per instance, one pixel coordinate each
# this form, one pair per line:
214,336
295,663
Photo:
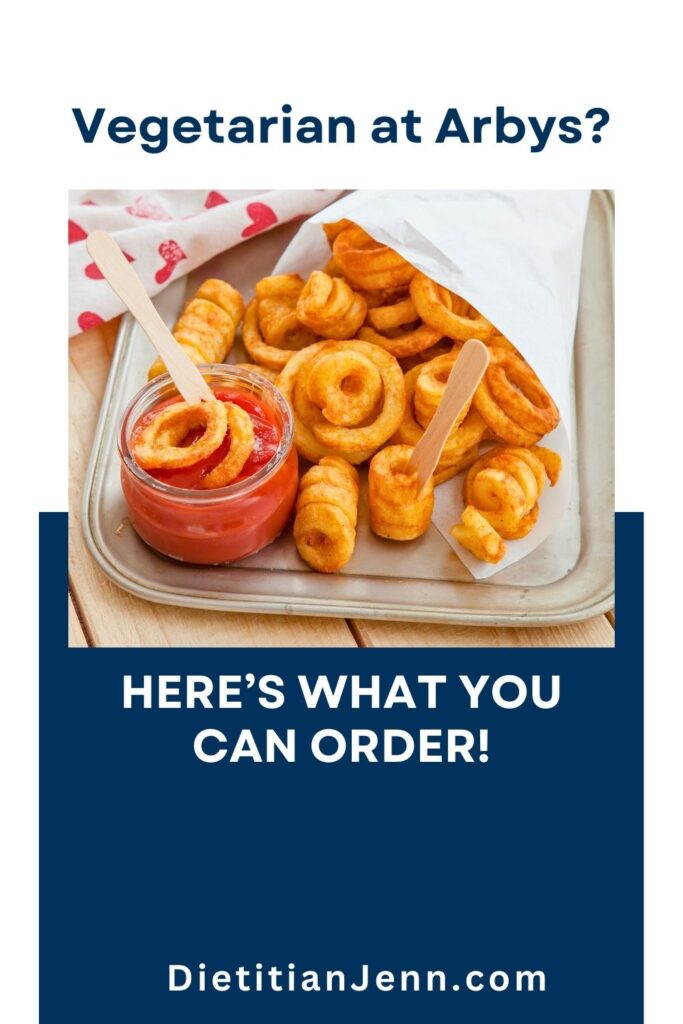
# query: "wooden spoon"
119,274
463,380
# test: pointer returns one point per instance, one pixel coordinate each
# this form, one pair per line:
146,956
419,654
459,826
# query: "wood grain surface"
102,615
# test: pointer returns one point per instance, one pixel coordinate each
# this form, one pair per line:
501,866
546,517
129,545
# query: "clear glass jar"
211,526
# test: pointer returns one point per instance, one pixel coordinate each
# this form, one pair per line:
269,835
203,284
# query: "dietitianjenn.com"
290,978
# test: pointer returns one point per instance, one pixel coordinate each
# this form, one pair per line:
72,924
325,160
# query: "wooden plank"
77,637
113,618
126,621
596,632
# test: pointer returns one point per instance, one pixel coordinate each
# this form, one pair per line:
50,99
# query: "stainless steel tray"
567,578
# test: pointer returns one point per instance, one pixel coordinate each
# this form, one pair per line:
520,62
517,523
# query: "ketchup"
214,526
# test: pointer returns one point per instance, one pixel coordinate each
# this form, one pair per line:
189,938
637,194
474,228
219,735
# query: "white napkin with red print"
168,234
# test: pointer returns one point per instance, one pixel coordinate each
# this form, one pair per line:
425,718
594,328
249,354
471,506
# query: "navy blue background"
530,861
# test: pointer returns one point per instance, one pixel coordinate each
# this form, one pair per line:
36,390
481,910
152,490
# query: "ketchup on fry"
266,440
175,514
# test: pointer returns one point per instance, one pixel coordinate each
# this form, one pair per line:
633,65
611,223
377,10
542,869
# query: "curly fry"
326,514
206,328
397,510
272,331
330,307
346,387
430,384
158,444
391,315
241,446
462,445
367,264
513,402
477,535
402,343
279,286
520,394
377,297
335,228
285,330
428,297
314,435
501,490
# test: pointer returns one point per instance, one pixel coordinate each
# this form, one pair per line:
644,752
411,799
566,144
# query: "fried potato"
477,535
241,446
326,514
437,307
502,489
316,436
397,510
513,402
207,326
330,307
368,264
158,444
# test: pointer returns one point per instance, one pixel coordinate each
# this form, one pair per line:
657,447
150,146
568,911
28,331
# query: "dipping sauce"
175,513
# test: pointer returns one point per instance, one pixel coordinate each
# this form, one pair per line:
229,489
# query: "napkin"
166,235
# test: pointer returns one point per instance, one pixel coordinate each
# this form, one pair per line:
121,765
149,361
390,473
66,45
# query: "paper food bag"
516,257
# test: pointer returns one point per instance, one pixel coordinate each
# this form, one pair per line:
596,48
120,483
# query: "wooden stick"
463,380
122,278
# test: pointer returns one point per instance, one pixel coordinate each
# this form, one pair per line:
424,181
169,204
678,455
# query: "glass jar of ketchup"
171,511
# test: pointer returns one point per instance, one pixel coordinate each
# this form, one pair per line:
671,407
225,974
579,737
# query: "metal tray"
567,578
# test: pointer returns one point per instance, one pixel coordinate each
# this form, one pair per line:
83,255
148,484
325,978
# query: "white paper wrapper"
516,256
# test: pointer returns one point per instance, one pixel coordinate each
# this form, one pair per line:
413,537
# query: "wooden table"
102,615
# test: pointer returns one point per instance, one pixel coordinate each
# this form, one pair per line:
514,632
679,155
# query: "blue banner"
455,850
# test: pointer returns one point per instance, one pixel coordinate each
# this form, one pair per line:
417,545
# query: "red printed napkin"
166,235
